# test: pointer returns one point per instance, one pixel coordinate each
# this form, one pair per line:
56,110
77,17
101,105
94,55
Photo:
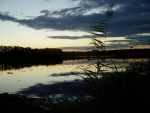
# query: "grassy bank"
119,92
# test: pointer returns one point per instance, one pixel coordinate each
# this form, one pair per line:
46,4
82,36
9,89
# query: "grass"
119,92
125,90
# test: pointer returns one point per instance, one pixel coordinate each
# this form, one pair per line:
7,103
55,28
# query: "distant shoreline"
8,53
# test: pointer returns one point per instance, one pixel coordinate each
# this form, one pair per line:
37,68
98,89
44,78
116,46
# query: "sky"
66,24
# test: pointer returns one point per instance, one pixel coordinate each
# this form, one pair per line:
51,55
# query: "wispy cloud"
130,18
70,37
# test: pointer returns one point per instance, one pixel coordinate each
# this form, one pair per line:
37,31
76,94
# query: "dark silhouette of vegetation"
76,54
125,90
121,91
15,57
9,64
123,53
17,53
28,53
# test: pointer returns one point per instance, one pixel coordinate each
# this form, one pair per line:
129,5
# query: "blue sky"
65,23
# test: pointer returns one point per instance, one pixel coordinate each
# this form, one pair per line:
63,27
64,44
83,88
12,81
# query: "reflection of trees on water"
15,57
18,64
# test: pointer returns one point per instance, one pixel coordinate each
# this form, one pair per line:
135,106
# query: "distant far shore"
53,54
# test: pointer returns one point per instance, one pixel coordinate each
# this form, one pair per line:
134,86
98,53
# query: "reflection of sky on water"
47,81
15,80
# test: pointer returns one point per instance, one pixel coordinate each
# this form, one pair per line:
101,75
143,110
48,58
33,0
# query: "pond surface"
59,81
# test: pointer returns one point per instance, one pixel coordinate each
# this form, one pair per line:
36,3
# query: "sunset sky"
65,23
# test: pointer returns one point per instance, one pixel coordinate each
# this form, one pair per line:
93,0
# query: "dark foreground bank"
14,103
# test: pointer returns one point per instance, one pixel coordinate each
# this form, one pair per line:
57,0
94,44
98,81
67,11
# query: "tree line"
27,52
130,53
55,53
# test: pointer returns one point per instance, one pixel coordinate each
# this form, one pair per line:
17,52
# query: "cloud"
69,22
133,41
70,37
88,48
6,17
69,11
79,48
139,40
130,18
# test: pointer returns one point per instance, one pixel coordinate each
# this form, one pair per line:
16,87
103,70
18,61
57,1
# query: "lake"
53,80
58,81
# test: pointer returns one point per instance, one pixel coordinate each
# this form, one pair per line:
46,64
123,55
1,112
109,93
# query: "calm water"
60,81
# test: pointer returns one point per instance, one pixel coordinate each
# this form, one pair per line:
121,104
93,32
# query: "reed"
123,90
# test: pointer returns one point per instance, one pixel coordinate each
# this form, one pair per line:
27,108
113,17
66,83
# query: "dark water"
58,81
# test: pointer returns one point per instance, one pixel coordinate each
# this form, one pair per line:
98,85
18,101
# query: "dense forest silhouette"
123,53
15,57
27,52
16,52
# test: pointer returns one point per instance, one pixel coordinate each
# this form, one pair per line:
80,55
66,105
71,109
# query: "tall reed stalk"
99,31
125,90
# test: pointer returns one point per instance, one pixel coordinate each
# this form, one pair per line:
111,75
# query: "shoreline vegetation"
15,57
53,54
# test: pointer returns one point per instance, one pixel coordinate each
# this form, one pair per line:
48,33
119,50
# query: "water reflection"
59,90
18,64
44,79
15,80
67,74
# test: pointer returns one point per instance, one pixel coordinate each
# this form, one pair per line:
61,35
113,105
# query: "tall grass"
126,89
